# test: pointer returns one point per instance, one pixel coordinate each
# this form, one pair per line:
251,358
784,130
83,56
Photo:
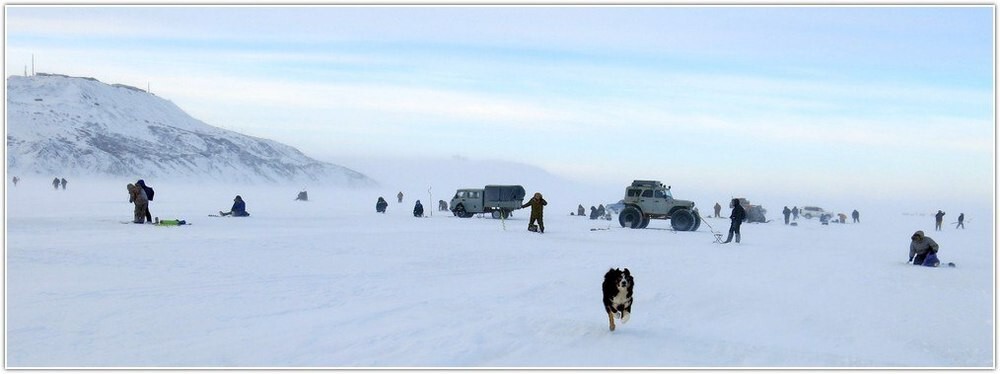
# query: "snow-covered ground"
330,283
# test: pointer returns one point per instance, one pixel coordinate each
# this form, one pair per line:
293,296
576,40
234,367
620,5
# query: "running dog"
617,295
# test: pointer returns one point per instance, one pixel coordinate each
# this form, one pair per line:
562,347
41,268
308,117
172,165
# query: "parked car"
813,211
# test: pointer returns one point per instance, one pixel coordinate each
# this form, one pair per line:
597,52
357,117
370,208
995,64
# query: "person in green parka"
536,203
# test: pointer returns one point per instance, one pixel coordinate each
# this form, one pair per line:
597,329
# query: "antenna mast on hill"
32,64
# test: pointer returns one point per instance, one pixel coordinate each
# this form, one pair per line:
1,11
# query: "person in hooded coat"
536,203
579,210
718,210
593,213
380,205
938,218
138,197
795,213
239,208
923,250
787,212
418,209
63,183
55,183
736,217
856,216
399,196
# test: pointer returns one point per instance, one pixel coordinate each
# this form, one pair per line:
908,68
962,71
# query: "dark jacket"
939,216
418,209
593,213
239,207
149,190
786,211
536,205
739,214
380,205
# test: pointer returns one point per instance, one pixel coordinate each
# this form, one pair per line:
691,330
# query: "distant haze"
784,104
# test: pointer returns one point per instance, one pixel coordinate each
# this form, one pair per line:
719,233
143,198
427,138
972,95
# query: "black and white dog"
617,295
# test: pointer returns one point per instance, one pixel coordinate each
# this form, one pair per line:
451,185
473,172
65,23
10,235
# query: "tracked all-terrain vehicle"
647,199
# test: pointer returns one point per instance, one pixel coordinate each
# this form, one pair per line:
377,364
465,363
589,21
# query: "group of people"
140,194
595,212
55,183
536,203
939,219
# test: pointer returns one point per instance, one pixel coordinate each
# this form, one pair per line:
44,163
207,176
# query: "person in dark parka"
787,212
536,203
961,221
418,209
718,210
149,197
55,183
856,216
63,182
738,215
579,210
380,205
239,208
593,213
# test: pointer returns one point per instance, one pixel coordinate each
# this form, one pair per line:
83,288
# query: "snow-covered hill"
73,126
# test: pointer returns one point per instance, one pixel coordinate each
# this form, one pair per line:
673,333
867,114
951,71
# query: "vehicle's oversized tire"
460,211
630,217
697,222
682,220
644,222
495,214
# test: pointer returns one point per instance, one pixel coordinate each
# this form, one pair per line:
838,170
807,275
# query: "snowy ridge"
60,125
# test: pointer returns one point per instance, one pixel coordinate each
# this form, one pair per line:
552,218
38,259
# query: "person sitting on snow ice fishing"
239,208
418,209
923,250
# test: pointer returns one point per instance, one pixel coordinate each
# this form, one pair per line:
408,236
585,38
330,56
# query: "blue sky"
856,101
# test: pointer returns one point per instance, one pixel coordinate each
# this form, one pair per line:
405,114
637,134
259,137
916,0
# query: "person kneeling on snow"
418,209
239,208
923,250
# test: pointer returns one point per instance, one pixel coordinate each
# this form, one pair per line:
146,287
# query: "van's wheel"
682,220
460,211
630,217
495,214
808,216
644,222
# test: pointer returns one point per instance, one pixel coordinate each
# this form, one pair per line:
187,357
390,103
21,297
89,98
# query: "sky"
869,102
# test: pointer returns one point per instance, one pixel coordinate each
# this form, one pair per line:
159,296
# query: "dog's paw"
625,317
618,315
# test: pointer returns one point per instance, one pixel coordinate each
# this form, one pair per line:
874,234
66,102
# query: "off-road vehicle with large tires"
499,201
647,199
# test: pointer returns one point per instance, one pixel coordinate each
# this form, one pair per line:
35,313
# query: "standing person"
55,183
842,217
937,220
923,250
536,203
579,209
737,216
418,209
239,208
15,181
399,196
380,205
138,197
787,212
593,212
856,216
63,181
795,213
961,218
718,210
148,191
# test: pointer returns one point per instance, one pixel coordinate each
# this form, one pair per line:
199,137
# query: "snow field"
331,283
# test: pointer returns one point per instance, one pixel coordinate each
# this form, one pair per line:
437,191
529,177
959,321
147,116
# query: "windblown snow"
331,283
72,126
